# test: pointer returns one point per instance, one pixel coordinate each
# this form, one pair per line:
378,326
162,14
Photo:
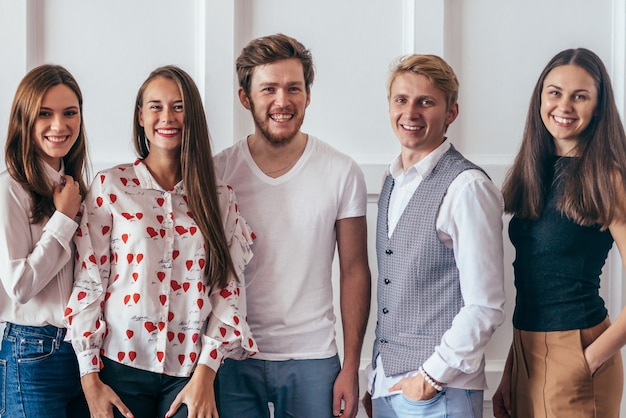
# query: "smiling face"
57,124
419,115
568,101
162,115
278,100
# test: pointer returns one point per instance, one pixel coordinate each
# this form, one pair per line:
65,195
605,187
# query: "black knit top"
557,267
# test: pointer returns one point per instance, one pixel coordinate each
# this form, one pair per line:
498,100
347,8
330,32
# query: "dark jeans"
296,388
146,394
39,374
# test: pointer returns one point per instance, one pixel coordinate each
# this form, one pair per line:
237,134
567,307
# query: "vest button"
385,310
388,251
387,281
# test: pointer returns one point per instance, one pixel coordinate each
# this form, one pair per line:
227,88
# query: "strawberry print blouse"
140,294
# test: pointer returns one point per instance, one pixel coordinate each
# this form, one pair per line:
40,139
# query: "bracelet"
429,379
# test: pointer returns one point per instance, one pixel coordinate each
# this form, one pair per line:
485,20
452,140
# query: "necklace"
285,168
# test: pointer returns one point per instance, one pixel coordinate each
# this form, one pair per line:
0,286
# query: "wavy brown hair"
198,173
21,158
592,183
269,49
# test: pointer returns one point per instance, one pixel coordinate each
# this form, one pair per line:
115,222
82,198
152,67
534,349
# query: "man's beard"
279,140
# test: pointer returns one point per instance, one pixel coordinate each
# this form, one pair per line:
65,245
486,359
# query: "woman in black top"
567,197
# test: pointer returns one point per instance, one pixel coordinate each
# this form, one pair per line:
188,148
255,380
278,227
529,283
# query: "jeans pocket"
3,386
33,348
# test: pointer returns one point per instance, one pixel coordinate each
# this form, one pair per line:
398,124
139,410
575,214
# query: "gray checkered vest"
418,281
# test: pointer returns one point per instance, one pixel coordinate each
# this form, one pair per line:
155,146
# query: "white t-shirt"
288,282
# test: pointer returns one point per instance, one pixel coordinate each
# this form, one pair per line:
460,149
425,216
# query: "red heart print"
181,337
139,258
175,254
194,337
214,354
113,197
136,297
129,333
105,229
94,361
99,201
192,230
103,259
125,238
127,215
186,286
132,355
161,276
181,359
151,231
135,276
175,285
124,181
170,336
200,303
163,299
223,331
102,177
170,316
193,356
161,325
160,355
225,293
129,257
201,263
121,355
160,201
136,181
92,258
150,326
180,229
126,299
236,320
160,218
189,263
81,295
139,215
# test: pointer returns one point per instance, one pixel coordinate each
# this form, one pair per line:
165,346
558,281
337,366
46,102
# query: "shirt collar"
422,167
148,182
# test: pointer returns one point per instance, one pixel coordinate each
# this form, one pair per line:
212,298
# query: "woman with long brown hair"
158,301
567,197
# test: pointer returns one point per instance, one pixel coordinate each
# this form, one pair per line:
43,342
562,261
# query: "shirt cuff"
61,227
439,370
210,356
88,361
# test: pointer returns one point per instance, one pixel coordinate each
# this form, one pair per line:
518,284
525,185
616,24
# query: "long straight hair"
592,182
21,158
198,173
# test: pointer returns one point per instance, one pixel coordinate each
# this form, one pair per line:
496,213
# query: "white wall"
497,47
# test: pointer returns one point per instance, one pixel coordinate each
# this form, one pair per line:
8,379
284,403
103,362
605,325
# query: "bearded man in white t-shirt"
303,199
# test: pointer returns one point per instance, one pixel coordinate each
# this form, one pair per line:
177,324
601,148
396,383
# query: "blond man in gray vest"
440,257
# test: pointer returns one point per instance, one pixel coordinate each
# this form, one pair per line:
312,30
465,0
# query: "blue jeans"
39,374
296,388
450,403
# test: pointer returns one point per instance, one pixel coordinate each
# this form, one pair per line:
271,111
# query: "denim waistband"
48,331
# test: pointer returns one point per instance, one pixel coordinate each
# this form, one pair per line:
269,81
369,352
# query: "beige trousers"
551,379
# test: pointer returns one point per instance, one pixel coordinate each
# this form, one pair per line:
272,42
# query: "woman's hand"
101,398
66,197
198,395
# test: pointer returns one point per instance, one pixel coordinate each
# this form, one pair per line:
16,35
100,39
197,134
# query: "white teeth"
410,128
56,138
562,120
281,117
167,131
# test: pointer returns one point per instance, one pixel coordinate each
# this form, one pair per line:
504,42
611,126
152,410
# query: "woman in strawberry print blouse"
158,300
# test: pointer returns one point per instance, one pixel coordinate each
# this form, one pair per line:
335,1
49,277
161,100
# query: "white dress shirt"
36,266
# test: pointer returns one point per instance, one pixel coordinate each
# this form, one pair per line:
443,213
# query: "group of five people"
140,296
